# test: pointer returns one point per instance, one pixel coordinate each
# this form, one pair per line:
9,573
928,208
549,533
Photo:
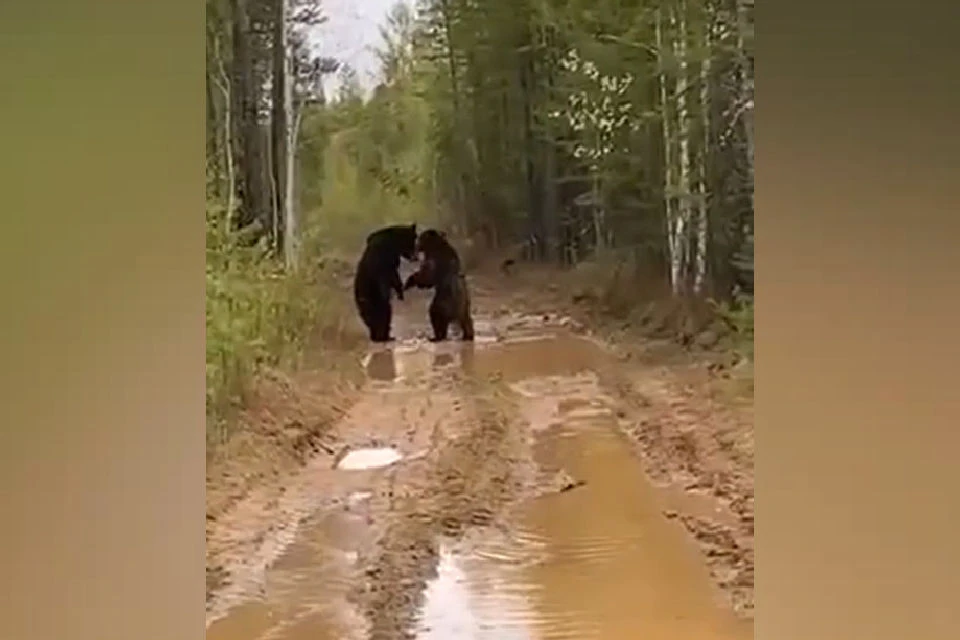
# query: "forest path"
500,489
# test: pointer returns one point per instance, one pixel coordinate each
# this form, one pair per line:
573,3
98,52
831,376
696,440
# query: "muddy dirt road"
484,491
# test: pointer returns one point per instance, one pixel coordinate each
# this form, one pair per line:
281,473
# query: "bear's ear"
413,227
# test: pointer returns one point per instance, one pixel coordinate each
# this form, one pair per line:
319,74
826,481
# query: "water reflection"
441,360
382,365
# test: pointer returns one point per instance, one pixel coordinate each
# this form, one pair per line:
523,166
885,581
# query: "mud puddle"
600,560
304,594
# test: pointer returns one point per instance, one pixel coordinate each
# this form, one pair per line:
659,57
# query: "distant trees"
579,128
590,126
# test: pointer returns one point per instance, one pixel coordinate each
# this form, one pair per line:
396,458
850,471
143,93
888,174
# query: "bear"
377,275
440,270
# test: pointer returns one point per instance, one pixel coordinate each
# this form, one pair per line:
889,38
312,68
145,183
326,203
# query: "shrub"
738,316
257,314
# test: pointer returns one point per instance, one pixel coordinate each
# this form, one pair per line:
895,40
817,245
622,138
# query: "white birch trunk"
684,213
746,83
273,159
700,273
673,248
596,205
290,230
223,83
294,147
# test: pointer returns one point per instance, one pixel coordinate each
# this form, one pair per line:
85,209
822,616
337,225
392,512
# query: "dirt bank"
298,547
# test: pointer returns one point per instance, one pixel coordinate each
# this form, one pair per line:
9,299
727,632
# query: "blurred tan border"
102,191
101,167
858,486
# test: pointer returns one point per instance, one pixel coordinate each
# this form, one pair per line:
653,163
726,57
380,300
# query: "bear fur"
378,274
440,270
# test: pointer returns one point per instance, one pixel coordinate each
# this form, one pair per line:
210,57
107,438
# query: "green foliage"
738,316
365,164
256,315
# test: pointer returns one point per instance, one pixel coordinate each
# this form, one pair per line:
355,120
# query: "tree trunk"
275,226
457,137
285,154
278,124
549,184
250,158
700,273
684,214
214,170
533,174
298,109
550,213
223,83
673,246
746,84
746,100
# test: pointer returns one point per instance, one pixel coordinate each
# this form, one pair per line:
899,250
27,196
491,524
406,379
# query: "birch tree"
284,127
704,35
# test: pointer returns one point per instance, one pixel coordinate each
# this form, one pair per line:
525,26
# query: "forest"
557,132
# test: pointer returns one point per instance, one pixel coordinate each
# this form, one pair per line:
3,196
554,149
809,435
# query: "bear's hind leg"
466,327
380,331
440,323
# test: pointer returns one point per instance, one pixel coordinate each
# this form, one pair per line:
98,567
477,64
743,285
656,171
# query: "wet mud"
492,490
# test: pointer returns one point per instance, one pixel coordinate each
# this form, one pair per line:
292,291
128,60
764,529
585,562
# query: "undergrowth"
623,287
738,316
257,315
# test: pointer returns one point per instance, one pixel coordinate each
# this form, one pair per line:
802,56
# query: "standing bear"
440,270
378,274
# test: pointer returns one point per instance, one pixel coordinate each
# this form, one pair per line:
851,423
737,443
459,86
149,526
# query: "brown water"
598,561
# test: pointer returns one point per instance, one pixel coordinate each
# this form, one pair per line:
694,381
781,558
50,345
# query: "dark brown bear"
440,270
377,275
